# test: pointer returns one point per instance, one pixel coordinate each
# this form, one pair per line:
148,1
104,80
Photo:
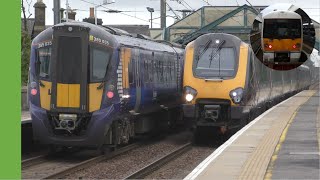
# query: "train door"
146,79
137,79
69,69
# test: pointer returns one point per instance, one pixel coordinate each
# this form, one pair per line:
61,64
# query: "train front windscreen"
282,28
215,61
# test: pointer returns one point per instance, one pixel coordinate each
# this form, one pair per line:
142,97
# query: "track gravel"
126,164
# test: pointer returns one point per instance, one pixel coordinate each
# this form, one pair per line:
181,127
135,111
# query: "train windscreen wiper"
216,52
206,46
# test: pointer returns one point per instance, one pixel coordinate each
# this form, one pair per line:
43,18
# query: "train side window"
146,74
150,67
162,71
155,71
43,63
166,71
99,63
131,68
159,71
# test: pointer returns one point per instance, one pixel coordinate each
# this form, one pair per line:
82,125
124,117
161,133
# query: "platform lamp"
105,2
151,10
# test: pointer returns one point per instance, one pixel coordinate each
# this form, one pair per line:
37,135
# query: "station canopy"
235,20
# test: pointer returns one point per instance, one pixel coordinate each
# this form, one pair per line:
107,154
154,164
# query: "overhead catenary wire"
170,9
119,12
180,2
237,3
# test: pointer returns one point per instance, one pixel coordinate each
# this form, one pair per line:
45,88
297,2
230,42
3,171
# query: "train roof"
147,44
121,36
232,39
281,15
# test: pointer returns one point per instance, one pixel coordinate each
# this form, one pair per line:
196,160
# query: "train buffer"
281,143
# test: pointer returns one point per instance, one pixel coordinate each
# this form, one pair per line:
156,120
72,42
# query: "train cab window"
69,60
99,63
216,63
282,28
44,56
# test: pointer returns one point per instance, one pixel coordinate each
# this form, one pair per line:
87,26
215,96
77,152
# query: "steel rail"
143,172
33,161
90,162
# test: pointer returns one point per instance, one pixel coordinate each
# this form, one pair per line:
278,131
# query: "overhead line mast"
163,13
56,12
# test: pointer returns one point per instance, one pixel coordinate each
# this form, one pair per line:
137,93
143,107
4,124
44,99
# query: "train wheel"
189,123
53,149
106,149
197,135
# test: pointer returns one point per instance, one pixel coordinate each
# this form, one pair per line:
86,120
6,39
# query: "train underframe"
217,114
281,57
210,117
102,129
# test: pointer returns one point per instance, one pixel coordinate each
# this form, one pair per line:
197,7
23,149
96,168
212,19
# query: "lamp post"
105,2
151,10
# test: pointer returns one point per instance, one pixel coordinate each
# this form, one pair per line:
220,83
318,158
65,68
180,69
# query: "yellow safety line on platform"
274,157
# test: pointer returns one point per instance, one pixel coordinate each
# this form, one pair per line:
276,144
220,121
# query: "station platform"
282,143
25,117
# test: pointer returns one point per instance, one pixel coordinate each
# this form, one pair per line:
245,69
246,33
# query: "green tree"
25,48
25,56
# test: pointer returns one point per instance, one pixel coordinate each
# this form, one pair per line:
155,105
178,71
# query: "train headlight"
268,46
110,94
236,95
34,92
189,97
190,93
298,45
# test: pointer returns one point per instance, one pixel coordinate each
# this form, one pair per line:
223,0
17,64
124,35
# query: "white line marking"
203,165
304,153
26,119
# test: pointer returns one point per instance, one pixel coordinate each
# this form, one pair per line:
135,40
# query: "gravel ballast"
126,164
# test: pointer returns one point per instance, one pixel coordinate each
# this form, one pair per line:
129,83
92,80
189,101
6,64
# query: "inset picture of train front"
282,36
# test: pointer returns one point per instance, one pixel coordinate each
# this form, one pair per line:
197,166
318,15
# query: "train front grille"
213,112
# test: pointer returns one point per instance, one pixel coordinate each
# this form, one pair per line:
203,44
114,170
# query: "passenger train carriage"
282,37
224,85
87,85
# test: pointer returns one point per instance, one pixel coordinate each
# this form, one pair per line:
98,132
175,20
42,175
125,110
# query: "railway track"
143,172
42,167
32,161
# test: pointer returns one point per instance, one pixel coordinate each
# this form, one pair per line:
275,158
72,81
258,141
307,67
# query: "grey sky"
311,7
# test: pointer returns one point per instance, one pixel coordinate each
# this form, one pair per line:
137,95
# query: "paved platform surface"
25,117
279,144
298,155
